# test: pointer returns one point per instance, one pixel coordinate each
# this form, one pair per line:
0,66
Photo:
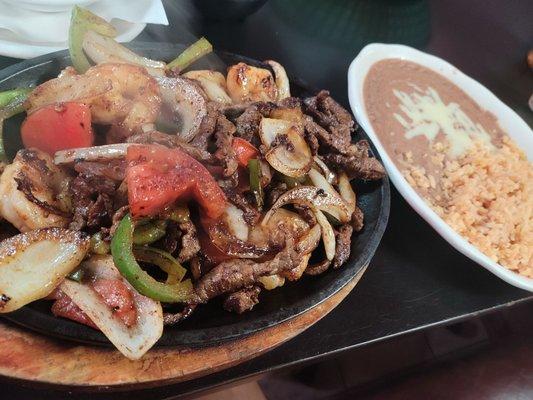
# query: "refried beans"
457,157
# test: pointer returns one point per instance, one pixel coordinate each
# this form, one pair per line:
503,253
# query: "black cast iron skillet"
210,324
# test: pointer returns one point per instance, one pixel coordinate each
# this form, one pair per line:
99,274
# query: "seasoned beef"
317,269
164,139
233,275
190,245
243,300
357,219
356,167
225,153
247,123
114,169
207,127
343,239
250,212
171,240
331,116
91,200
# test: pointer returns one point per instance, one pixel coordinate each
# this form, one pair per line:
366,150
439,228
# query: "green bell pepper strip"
9,95
150,232
163,260
98,245
81,21
11,103
192,53
122,252
179,214
254,168
76,275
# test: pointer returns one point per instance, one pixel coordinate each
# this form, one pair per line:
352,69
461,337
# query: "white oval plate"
511,123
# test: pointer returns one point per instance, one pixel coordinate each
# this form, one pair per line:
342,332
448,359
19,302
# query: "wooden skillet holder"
39,359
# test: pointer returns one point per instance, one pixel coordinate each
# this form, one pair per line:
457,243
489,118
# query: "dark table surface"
415,279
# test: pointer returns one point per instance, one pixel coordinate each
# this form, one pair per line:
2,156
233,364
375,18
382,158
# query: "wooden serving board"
40,359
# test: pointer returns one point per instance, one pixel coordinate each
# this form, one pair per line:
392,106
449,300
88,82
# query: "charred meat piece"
250,212
356,166
331,116
317,269
225,153
343,238
243,300
174,318
91,200
164,139
357,219
190,245
247,123
233,275
114,169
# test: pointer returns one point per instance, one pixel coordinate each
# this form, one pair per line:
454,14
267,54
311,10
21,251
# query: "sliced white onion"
328,235
346,191
134,341
328,174
271,282
321,182
236,223
95,153
32,264
103,49
308,242
213,83
313,197
282,80
295,162
270,128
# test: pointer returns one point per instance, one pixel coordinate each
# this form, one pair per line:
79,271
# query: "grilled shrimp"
33,192
118,94
246,83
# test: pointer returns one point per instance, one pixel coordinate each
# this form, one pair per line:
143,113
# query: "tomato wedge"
58,127
158,176
244,150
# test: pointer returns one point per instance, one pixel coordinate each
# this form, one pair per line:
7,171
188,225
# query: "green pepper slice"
11,103
254,168
163,260
150,232
81,21
192,53
122,252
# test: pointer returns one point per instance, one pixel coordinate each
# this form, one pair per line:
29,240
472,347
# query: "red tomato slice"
158,176
58,127
244,150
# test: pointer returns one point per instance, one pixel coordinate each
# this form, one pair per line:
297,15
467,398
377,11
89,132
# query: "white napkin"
26,33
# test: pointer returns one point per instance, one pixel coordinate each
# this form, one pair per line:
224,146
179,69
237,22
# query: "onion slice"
133,342
321,182
32,264
346,191
328,235
95,153
292,158
313,197
328,174
213,83
103,49
282,80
